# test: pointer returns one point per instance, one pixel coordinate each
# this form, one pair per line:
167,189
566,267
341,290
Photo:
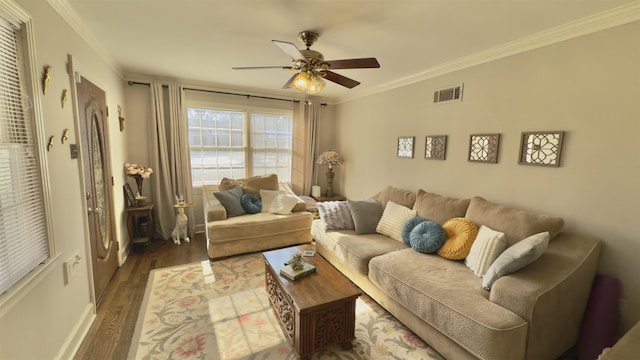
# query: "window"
24,240
239,143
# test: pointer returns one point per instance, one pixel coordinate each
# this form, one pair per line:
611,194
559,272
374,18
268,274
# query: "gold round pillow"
460,235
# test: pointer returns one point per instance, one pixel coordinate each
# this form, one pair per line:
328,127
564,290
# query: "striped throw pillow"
393,219
487,246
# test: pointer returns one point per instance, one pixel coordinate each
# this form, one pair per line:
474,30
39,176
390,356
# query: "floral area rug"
220,310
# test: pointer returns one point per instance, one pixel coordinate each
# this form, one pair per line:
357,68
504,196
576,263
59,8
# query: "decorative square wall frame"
405,146
541,148
484,148
435,147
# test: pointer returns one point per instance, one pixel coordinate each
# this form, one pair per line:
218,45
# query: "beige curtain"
313,114
305,143
169,156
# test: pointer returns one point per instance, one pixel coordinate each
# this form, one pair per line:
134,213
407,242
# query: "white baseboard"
77,335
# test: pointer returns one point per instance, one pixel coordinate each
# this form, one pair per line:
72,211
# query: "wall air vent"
447,95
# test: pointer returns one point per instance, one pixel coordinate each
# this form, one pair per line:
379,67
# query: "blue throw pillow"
427,237
408,226
251,203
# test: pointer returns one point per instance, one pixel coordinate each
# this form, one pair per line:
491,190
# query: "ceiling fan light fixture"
301,81
315,85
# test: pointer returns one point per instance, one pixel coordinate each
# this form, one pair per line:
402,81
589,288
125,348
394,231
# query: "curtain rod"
131,83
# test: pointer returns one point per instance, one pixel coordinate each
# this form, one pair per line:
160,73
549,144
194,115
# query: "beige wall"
49,321
588,87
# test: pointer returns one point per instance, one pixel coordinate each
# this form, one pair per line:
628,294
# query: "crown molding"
66,11
605,20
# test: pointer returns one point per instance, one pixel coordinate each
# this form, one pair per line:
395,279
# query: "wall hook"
65,136
50,145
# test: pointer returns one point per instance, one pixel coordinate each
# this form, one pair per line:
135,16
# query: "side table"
141,224
329,198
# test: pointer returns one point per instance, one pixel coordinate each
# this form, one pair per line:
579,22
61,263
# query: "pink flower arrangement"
137,170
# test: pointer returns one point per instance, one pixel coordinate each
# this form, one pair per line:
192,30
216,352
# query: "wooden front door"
98,184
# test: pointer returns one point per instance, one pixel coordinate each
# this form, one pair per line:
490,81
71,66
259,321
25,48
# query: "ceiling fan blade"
363,63
342,80
287,85
262,67
289,49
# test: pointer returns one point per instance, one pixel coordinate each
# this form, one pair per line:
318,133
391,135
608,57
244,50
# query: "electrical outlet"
71,267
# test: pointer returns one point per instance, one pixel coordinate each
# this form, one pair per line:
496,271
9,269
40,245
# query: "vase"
139,183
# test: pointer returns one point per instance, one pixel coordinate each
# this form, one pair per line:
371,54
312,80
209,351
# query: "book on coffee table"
291,274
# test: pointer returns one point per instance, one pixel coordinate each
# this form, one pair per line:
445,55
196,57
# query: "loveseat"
282,219
532,313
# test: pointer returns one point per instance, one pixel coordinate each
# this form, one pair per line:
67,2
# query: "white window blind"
23,232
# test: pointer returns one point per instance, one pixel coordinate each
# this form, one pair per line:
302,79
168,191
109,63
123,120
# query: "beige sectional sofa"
231,235
534,313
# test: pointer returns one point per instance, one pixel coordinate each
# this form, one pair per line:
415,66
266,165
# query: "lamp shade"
330,158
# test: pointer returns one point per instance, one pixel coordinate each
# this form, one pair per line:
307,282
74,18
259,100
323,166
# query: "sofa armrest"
552,293
213,209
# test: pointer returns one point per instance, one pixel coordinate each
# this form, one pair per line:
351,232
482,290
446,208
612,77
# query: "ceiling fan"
313,68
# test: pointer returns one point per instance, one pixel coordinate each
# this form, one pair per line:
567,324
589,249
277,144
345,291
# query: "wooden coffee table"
316,310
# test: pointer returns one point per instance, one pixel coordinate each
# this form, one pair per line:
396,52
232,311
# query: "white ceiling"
199,41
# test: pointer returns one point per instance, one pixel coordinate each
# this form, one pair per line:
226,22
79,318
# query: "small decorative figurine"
296,261
120,118
46,77
180,230
65,136
65,97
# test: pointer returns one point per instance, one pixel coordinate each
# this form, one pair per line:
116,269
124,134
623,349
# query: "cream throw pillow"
267,197
487,246
283,204
393,218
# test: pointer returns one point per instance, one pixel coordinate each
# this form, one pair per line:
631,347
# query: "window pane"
272,138
218,148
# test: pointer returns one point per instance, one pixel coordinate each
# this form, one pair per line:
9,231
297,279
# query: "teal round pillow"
427,237
251,203
408,226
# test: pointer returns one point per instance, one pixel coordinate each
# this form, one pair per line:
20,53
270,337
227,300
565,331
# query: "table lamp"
330,158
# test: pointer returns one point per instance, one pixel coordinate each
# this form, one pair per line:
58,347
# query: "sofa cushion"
401,197
460,235
427,237
393,218
516,257
230,199
447,296
439,208
365,214
335,215
409,226
352,249
515,224
487,246
255,227
252,185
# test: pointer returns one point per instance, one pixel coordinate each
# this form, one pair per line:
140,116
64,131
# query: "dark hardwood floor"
111,333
